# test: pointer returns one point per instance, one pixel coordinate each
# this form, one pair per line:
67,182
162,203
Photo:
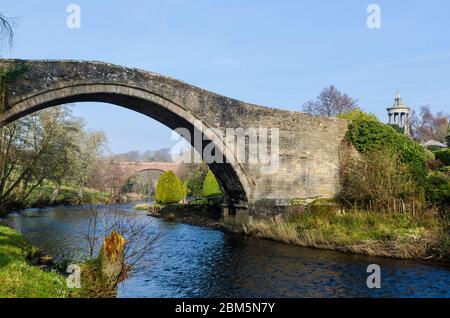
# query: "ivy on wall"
7,76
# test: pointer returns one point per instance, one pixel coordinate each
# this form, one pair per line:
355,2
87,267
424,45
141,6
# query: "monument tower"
399,114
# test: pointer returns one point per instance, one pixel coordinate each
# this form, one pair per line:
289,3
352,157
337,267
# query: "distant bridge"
132,168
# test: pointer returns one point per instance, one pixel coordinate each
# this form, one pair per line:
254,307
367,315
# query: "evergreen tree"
170,189
211,187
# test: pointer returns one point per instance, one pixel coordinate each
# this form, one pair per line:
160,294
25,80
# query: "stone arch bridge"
308,145
132,168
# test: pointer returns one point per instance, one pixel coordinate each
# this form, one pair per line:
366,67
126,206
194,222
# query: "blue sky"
274,53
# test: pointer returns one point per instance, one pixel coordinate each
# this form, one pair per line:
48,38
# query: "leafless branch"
7,27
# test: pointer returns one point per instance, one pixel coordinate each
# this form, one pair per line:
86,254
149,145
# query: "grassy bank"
143,207
20,279
200,213
388,235
68,195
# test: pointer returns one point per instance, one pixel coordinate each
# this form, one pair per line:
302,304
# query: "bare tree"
90,150
7,27
139,237
427,126
330,102
377,181
110,177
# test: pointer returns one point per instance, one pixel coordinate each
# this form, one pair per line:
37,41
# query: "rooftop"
398,103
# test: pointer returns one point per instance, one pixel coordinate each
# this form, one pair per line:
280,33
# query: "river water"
189,261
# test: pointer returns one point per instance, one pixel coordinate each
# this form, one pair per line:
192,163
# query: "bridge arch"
309,145
131,169
230,176
158,172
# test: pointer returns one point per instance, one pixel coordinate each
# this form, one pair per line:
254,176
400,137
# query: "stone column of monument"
400,112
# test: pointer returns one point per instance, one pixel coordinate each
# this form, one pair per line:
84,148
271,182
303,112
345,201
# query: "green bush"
397,128
211,187
430,155
437,188
369,135
170,189
444,156
195,178
185,189
358,115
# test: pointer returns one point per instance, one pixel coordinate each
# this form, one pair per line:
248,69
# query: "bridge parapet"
132,168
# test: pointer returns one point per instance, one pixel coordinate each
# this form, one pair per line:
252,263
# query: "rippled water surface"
189,261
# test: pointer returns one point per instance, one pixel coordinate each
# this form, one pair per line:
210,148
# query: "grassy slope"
68,195
20,279
389,235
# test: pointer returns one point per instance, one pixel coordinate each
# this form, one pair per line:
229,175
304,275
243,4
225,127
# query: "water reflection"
190,261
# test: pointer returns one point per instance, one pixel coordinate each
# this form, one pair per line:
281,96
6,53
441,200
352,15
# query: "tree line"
160,155
47,149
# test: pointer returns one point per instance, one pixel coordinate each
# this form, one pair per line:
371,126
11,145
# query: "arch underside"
150,169
230,176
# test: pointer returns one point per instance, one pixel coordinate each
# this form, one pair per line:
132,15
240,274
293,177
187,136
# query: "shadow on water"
190,261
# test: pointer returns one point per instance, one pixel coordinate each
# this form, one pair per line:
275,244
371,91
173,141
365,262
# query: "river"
189,261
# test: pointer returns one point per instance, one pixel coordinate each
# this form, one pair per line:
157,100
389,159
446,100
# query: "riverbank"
185,259
399,236
26,273
205,214
68,195
18,277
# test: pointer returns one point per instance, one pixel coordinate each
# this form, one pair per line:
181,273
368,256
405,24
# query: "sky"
272,53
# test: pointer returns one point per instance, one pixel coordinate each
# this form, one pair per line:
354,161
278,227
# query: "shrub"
376,180
437,188
368,136
358,115
170,189
444,156
194,175
430,155
211,187
397,128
